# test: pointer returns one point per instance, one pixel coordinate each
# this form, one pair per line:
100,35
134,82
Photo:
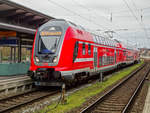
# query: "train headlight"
55,60
37,59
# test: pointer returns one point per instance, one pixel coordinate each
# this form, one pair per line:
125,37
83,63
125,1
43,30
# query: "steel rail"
87,109
27,101
18,94
127,107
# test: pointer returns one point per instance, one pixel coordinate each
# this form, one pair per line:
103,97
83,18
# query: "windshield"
48,44
48,39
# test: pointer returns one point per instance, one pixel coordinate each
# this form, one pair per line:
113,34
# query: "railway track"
10,103
119,98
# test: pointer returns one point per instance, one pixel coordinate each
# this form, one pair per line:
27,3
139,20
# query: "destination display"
47,33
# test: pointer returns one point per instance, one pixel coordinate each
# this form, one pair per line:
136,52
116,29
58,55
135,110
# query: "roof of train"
99,39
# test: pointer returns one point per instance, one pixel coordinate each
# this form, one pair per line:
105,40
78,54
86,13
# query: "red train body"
64,52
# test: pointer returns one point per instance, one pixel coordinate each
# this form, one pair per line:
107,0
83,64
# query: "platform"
147,103
10,78
18,25
14,84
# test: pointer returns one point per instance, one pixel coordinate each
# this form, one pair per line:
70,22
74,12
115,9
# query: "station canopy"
20,19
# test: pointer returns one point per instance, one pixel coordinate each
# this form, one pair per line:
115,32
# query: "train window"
124,53
75,54
113,44
97,39
103,41
94,38
83,48
108,61
100,40
89,49
106,42
111,60
107,58
109,42
104,60
100,60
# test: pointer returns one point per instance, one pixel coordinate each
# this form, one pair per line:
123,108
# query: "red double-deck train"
65,52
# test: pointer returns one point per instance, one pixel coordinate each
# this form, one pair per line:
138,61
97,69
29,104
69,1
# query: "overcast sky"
130,18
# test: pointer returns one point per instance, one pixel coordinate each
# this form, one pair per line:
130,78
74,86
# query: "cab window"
75,54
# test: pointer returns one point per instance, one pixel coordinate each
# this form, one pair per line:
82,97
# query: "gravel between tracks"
40,104
138,104
37,105
91,100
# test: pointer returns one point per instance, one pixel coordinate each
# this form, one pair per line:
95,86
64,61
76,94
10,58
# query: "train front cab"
46,53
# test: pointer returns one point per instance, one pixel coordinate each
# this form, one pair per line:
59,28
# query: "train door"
95,58
115,56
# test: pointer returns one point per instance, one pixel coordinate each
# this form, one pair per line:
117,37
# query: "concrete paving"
14,84
147,103
11,77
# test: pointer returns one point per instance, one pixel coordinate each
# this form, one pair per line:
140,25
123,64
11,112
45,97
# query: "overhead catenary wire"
73,12
124,11
82,6
135,17
140,13
67,9
90,9
129,10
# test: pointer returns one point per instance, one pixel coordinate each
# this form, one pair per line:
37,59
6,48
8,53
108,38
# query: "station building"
18,25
